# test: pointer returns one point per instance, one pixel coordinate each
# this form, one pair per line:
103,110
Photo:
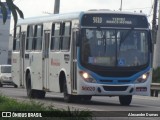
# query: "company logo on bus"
14,60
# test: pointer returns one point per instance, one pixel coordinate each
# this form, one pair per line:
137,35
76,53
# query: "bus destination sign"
114,20
119,21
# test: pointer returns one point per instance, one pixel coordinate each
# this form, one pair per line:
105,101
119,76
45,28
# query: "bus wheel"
86,97
39,93
15,86
125,100
67,97
33,93
30,92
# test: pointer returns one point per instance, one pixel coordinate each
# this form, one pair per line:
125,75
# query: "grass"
11,105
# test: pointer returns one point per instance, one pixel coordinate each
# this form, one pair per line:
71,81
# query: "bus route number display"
114,20
97,19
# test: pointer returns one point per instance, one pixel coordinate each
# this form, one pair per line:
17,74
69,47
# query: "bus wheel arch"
64,87
62,77
27,72
26,75
31,93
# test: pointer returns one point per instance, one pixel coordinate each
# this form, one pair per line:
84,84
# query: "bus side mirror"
77,36
151,41
153,35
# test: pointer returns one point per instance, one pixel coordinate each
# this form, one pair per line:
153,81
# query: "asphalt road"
139,103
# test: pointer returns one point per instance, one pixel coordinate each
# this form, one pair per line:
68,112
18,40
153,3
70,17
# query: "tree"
13,8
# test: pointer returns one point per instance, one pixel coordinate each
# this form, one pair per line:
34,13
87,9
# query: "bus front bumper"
115,90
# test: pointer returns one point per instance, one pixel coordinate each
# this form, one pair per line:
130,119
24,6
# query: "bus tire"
33,93
67,97
125,100
86,98
39,94
15,86
30,92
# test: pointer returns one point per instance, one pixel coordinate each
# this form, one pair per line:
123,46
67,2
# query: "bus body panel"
36,67
57,66
66,67
54,68
16,68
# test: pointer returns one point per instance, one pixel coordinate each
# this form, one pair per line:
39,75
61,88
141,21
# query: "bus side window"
16,38
29,42
55,39
38,37
66,35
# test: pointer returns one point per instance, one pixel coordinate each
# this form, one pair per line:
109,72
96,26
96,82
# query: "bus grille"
106,81
117,81
115,88
124,81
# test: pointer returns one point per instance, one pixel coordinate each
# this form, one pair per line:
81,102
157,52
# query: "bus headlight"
142,78
87,77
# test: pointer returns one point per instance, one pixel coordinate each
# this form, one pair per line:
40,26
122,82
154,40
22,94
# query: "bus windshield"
114,47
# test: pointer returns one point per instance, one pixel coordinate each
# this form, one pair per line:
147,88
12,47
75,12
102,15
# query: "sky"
33,8
42,7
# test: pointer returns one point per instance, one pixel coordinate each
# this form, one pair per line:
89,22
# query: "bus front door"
22,56
45,61
74,61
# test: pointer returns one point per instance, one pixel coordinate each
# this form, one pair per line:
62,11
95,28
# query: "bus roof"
49,18
70,16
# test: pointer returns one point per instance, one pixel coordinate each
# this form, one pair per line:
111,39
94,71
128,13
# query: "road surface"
139,103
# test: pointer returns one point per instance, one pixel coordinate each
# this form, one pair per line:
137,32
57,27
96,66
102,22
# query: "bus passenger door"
74,61
45,61
22,56
16,57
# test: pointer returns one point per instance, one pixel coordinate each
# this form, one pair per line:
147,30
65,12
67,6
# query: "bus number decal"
97,19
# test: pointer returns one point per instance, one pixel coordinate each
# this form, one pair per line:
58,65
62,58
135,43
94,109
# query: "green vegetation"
11,105
13,8
156,75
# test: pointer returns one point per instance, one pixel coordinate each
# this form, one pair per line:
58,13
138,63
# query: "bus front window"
108,47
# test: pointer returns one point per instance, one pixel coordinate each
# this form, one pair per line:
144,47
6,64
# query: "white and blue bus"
85,54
